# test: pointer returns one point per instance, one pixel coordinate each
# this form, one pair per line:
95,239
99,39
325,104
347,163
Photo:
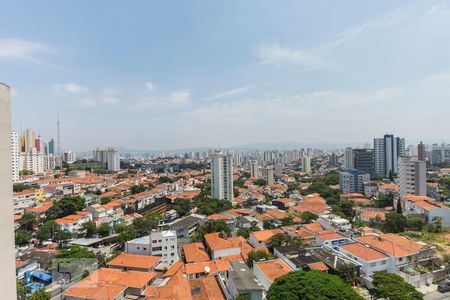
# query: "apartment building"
157,243
412,175
221,176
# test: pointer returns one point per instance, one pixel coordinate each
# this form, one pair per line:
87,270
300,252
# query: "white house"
157,243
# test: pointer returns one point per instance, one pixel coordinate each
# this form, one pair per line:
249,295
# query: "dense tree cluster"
66,206
310,285
392,287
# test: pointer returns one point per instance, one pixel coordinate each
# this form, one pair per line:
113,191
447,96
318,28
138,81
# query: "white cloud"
279,55
150,86
229,93
109,99
318,57
177,98
20,49
71,88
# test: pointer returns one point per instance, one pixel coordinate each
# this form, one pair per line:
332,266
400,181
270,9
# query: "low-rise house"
39,211
186,226
330,239
370,260
427,207
261,238
267,271
221,247
110,284
73,223
330,222
195,252
284,203
372,216
25,198
299,259
241,281
135,262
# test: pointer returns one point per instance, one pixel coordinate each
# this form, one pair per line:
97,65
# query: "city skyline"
215,84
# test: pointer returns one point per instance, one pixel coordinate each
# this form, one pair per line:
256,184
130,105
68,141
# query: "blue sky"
177,74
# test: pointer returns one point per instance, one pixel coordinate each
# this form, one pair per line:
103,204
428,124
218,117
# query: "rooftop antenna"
58,133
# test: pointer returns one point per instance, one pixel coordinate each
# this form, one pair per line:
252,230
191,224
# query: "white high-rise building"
439,154
108,156
253,168
412,175
387,151
15,159
306,165
7,257
221,176
70,157
348,158
33,160
113,161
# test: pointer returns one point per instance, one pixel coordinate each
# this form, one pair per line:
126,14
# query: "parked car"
444,287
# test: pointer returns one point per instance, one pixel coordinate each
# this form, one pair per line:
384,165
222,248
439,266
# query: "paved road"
437,296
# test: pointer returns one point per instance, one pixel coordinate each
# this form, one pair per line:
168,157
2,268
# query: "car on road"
444,287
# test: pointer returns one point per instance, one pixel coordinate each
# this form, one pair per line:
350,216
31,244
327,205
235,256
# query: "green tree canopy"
104,230
311,285
182,206
90,229
135,189
307,217
394,223
22,237
211,226
47,231
66,206
18,187
257,256
40,294
282,239
392,287
27,221
76,251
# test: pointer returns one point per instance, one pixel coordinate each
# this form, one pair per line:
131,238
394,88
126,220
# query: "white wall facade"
7,257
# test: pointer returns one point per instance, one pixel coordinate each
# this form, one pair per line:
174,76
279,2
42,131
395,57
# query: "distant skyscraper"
253,168
31,152
334,159
306,165
348,158
352,181
421,152
221,176
439,154
387,150
15,158
268,172
364,160
69,157
412,177
51,147
113,160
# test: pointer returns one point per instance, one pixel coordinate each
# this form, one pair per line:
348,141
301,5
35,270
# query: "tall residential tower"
221,176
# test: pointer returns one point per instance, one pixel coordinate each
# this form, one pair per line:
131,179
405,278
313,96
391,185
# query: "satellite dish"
207,269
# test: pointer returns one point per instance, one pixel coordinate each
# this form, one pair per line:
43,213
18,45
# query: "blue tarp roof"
42,276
